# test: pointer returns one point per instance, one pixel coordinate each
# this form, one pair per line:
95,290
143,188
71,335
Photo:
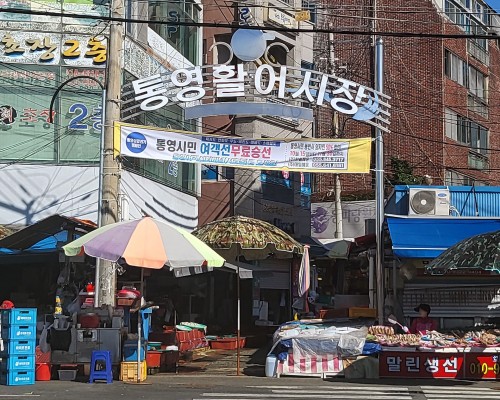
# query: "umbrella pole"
238,320
139,346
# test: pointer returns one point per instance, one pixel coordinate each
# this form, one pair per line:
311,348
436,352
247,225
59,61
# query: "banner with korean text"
307,155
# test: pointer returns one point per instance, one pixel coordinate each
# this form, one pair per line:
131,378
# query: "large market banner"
307,155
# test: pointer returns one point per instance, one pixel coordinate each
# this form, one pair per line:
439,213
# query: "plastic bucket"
271,365
43,372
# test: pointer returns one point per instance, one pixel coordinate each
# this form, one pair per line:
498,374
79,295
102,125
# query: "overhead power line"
258,27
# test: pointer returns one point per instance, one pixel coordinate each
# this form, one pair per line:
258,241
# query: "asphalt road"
211,387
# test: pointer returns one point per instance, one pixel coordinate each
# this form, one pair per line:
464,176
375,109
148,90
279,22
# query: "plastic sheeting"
317,341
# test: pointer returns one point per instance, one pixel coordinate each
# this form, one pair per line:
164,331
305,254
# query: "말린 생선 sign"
331,156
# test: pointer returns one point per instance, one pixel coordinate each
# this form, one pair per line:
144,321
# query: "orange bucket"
43,372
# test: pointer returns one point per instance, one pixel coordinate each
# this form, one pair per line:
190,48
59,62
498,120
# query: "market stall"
316,347
457,354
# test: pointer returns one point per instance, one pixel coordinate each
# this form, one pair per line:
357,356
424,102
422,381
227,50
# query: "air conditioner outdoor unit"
429,202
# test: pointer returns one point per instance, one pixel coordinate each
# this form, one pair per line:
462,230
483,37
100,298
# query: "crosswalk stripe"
490,395
337,396
350,390
454,391
328,388
454,388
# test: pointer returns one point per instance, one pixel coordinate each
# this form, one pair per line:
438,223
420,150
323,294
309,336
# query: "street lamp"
101,164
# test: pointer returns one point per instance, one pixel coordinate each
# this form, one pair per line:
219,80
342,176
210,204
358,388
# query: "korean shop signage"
279,17
52,49
255,85
332,156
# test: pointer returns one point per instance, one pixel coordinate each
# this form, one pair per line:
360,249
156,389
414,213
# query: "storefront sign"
303,15
354,217
42,22
468,363
26,129
276,210
270,89
52,49
482,366
330,156
138,62
421,365
281,18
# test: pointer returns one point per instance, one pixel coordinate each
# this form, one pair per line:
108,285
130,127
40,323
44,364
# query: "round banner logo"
136,142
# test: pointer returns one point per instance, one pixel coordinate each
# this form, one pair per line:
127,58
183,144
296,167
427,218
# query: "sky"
494,4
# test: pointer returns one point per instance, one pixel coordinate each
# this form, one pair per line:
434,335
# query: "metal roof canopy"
48,227
428,237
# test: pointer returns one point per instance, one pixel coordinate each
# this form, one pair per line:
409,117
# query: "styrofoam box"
17,378
17,362
19,316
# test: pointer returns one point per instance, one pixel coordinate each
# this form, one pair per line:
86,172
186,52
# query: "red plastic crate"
153,359
227,343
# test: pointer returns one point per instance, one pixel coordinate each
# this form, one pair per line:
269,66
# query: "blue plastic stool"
105,374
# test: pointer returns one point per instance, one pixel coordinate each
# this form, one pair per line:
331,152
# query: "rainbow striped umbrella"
146,243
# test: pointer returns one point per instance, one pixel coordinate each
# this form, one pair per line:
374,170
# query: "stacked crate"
19,344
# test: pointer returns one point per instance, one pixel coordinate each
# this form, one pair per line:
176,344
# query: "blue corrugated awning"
428,237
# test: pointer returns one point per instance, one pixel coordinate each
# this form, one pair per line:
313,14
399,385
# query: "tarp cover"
312,341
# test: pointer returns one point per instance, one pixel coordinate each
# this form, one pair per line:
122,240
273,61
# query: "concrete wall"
215,201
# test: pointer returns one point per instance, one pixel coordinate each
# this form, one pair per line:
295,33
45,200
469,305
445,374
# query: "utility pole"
335,126
379,184
105,272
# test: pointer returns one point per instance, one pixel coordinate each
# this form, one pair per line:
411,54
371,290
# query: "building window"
305,189
185,39
277,186
178,175
457,15
466,131
472,16
477,161
454,178
458,71
477,83
455,68
216,173
306,65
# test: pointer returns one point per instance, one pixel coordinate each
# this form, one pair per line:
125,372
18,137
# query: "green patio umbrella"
477,252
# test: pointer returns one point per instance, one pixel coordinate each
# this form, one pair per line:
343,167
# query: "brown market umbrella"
251,238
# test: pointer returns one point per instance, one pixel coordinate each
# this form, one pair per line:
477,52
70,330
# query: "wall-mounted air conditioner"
429,202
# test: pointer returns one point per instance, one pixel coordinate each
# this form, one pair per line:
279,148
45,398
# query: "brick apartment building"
445,92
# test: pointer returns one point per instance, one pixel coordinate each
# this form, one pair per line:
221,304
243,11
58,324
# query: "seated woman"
423,323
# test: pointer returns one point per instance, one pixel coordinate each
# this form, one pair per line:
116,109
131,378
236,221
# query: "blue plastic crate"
19,316
24,332
17,378
18,347
18,362
130,351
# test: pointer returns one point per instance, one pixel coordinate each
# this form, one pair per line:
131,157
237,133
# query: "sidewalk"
223,362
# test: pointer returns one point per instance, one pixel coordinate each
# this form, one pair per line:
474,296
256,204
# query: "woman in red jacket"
423,323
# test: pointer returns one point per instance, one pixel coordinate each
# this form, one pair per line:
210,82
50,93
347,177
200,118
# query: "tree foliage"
402,173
